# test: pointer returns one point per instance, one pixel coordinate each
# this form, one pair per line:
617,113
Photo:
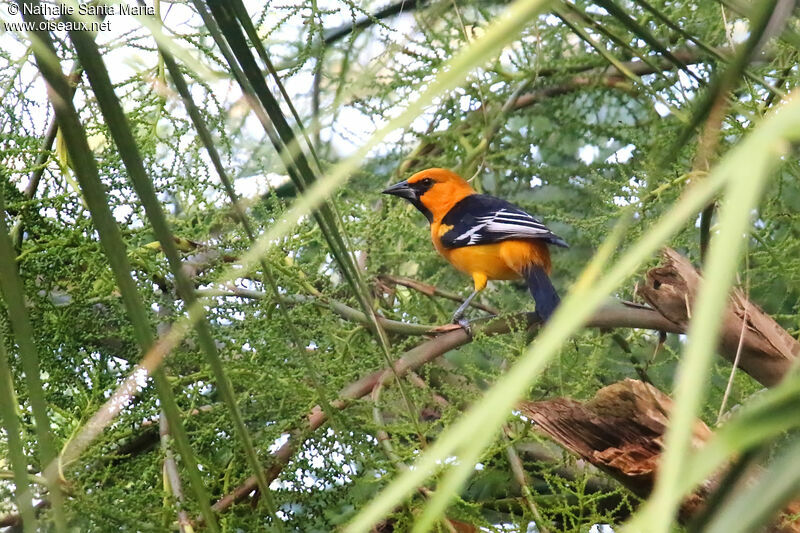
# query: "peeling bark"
767,350
621,431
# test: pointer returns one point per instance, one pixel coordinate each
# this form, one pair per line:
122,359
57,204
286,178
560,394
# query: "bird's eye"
427,182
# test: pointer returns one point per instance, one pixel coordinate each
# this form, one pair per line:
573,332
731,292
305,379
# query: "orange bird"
483,236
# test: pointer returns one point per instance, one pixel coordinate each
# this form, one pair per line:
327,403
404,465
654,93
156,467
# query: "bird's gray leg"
463,307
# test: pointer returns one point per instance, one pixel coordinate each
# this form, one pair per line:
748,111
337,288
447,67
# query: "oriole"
483,236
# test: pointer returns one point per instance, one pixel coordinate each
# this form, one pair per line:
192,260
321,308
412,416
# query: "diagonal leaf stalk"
299,169
231,42
269,278
767,417
9,414
476,429
619,65
503,30
13,293
758,502
643,33
710,50
724,81
790,36
171,478
247,24
334,226
120,130
742,194
639,52
252,34
334,217
110,237
269,114
247,88
286,144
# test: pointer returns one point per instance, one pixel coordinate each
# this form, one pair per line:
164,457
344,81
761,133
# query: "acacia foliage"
550,124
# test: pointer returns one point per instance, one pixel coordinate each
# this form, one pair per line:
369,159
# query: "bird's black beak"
403,190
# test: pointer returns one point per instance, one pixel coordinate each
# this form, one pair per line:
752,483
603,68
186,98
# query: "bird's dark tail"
542,290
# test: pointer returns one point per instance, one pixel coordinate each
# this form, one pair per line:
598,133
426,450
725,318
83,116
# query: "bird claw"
464,324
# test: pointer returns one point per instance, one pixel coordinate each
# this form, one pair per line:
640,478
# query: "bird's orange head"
433,191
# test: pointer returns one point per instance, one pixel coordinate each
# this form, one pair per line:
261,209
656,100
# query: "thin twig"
345,311
333,35
172,478
735,364
706,147
522,480
432,290
608,316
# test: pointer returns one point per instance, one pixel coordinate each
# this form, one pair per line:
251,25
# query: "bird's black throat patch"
419,189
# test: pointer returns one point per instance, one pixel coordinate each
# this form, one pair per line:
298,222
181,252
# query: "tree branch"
333,35
344,311
613,315
609,76
432,290
172,477
584,76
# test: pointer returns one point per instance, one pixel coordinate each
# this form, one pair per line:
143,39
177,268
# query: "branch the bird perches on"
676,280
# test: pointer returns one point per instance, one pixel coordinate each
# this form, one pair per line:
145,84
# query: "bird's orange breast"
501,260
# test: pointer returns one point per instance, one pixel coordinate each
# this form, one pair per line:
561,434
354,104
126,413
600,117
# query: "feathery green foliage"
180,159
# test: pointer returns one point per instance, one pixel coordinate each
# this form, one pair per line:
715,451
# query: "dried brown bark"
767,350
621,431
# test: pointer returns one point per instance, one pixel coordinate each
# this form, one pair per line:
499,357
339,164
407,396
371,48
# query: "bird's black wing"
482,219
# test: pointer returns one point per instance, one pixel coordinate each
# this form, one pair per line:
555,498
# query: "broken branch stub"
620,431
767,350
